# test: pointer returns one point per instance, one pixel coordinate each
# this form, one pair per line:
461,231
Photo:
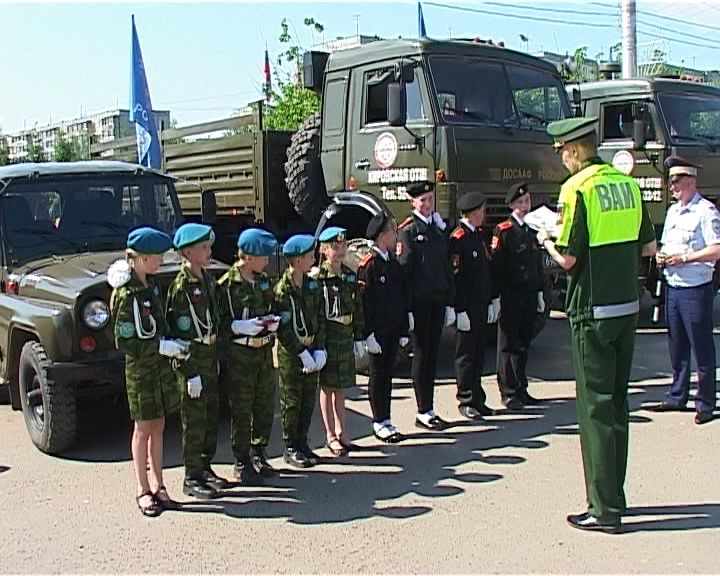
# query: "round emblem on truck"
386,149
623,161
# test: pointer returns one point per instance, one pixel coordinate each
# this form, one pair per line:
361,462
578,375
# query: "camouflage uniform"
343,312
250,375
302,326
151,386
192,315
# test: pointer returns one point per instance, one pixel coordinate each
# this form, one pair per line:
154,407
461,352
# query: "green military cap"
571,129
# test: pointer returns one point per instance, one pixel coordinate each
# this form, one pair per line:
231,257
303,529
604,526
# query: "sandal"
150,511
336,451
166,503
350,446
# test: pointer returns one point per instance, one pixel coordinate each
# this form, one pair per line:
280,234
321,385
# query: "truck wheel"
303,171
48,406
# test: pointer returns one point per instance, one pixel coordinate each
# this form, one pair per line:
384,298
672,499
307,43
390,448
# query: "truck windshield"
691,116
46,217
472,90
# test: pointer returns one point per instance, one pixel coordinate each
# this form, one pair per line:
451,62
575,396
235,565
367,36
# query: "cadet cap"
470,201
377,225
298,245
571,129
419,188
147,240
677,165
256,242
516,191
333,234
191,234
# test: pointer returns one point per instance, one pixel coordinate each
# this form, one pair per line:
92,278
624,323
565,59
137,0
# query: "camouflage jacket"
301,313
239,299
340,297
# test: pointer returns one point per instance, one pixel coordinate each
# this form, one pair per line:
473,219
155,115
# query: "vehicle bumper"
104,369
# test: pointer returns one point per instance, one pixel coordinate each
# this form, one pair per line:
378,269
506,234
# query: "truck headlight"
96,314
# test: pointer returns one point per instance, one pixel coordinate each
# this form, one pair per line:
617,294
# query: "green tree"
4,151
35,152
64,150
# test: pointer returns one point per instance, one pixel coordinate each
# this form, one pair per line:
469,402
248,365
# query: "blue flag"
421,23
148,142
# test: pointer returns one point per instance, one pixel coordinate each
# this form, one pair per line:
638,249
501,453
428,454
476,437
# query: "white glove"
320,358
194,386
541,303
494,311
438,220
463,322
404,341
411,322
449,316
358,349
542,235
372,345
174,349
308,362
251,327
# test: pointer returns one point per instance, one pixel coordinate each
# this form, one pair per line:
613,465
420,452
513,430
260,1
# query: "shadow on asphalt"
683,517
4,469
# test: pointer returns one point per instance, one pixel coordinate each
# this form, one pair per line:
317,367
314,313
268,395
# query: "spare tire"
303,171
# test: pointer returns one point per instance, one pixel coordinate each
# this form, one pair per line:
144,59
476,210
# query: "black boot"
246,474
196,487
214,480
309,454
295,457
260,462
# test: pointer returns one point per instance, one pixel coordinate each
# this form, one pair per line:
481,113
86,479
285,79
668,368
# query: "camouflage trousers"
298,395
339,371
200,419
251,392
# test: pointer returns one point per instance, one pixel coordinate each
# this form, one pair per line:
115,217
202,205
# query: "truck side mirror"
639,128
396,104
209,207
576,102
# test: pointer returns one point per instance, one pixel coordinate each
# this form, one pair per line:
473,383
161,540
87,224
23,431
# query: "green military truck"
61,226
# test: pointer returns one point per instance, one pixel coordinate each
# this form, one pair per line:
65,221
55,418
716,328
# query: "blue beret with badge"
147,240
298,245
257,242
333,234
191,234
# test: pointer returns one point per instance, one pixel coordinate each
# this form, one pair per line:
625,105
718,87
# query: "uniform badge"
335,288
196,296
351,278
184,323
285,317
126,330
312,285
382,279
474,253
716,226
264,285
420,238
495,243
398,249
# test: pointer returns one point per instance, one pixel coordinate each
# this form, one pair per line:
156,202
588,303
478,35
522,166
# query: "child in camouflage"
140,332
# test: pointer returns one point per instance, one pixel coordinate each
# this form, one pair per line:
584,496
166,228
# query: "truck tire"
48,406
303,171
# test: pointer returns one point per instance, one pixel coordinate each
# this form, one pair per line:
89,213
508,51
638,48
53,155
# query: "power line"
687,42
670,18
639,21
553,10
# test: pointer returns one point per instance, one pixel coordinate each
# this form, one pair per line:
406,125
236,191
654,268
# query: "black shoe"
309,454
246,474
198,488
485,410
529,400
295,458
666,407
260,462
435,423
470,413
586,521
703,417
513,404
214,480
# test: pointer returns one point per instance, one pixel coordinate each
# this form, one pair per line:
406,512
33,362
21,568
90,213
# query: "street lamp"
525,39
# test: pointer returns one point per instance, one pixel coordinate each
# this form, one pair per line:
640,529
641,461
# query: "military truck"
61,226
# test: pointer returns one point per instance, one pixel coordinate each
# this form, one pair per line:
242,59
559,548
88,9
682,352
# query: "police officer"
470,262
518,270
690,247
422,251
603,226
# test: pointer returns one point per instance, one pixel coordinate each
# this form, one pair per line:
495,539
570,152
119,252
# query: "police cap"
333,234
516,191
298,245
470,201
377,224
191,234
147,240
679,165
257,242
571,129
419,188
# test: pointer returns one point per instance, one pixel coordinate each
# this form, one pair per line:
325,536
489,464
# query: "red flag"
267,88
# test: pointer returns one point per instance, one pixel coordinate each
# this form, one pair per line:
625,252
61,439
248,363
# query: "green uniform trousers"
602,358
251,392
200,419
298,395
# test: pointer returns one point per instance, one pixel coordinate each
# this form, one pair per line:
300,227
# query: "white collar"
467,223
427,221
518,219
384,255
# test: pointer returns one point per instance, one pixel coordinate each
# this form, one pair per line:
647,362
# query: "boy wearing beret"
249,327
301,348
193,316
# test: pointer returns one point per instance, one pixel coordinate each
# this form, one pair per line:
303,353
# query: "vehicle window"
376,83
539,96
617,122
691,116
413,97
131,206
334,113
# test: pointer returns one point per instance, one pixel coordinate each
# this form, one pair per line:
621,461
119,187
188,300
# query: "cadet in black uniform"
518,270
470,262
422,251
380,280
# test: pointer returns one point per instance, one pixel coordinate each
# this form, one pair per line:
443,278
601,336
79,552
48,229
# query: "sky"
205,60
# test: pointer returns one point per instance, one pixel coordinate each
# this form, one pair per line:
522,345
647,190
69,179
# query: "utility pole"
629,39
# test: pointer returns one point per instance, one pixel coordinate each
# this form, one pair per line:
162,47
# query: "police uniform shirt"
689,229
469,259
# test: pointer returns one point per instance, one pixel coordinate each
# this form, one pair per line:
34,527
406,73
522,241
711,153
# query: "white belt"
207,340
254,341
616,310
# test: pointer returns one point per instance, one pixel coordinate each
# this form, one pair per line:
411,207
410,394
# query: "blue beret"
189,234
298,245
333,234
147,240
257,242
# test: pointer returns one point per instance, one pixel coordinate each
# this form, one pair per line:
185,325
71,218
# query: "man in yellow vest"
604,228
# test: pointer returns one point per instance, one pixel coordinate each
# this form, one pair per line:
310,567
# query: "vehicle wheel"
303,171
48,406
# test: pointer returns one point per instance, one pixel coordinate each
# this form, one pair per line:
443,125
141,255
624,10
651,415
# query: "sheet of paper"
543,217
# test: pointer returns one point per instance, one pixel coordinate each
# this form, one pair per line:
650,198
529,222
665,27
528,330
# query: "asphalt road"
477,498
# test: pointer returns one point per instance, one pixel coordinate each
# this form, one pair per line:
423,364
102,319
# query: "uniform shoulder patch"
458,234
184,323
505,225
405,223
365,260
126,330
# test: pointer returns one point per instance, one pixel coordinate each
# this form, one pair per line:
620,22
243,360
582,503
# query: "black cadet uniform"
518,271
470,262
422,251
385,309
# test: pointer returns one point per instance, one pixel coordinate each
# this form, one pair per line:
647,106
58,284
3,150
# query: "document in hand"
543,217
